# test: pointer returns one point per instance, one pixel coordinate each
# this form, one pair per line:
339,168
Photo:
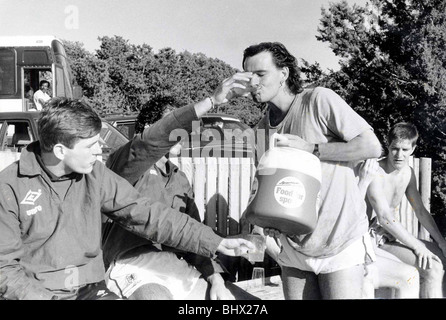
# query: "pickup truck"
18,129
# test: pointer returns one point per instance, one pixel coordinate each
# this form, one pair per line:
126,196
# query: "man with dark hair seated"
140,269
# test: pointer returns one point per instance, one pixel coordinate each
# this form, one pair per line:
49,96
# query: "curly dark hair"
153,110
281,58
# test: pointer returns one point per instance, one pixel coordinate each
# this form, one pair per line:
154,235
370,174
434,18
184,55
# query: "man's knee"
151,291
434,273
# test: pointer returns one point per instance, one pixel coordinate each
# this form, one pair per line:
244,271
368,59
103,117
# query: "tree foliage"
393,68
122,78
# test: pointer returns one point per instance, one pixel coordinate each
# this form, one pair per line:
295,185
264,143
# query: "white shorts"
355,254
124,276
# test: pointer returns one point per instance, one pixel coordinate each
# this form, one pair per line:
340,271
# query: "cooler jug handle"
272,140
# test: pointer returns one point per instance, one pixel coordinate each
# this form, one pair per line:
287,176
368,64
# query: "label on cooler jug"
289,192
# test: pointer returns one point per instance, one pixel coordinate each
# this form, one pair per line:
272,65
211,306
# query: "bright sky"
218,28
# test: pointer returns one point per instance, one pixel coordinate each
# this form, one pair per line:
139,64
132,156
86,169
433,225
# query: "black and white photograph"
223,157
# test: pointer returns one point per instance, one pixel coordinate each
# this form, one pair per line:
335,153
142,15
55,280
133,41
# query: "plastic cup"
245,92
258,277
258,254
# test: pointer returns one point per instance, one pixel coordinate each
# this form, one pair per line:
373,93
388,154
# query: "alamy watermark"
216,142
72,17
72,278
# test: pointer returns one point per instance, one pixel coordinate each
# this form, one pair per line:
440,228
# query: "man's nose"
97,149
255,81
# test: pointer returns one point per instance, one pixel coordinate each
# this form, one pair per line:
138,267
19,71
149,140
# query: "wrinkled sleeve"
122,203
16,283
338,116
138,155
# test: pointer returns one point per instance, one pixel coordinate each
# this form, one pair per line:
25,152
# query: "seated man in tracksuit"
140,269
51,202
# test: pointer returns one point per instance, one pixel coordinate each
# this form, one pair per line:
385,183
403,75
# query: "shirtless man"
393,179
387,271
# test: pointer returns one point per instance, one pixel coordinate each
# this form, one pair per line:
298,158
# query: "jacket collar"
28,164
170,168
31,164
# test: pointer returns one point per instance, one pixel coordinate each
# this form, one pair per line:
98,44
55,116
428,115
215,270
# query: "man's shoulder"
321,97
10,172
12,181
316,91
408,173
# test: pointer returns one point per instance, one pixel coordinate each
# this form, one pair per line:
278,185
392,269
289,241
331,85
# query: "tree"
126,64
92,75
123,78
393,67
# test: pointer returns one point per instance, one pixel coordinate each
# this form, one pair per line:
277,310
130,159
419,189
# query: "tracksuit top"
50,230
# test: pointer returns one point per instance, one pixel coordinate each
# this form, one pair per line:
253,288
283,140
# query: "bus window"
31,85
36,57
33,76
8,76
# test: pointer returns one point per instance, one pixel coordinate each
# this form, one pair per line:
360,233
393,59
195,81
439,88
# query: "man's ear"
413,149
285,73
59,151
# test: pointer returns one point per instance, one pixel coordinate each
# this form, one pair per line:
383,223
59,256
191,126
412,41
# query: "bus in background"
27,60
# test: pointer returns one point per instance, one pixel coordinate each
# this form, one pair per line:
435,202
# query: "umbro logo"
33,211
31,197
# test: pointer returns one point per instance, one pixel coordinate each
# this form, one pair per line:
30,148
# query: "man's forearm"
159,133
159,223
395,228
362,147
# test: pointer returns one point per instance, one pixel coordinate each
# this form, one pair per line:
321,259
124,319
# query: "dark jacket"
50,243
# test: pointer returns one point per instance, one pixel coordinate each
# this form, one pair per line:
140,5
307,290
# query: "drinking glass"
258,277
258,254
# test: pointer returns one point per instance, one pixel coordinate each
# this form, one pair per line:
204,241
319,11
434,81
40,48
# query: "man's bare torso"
393,182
